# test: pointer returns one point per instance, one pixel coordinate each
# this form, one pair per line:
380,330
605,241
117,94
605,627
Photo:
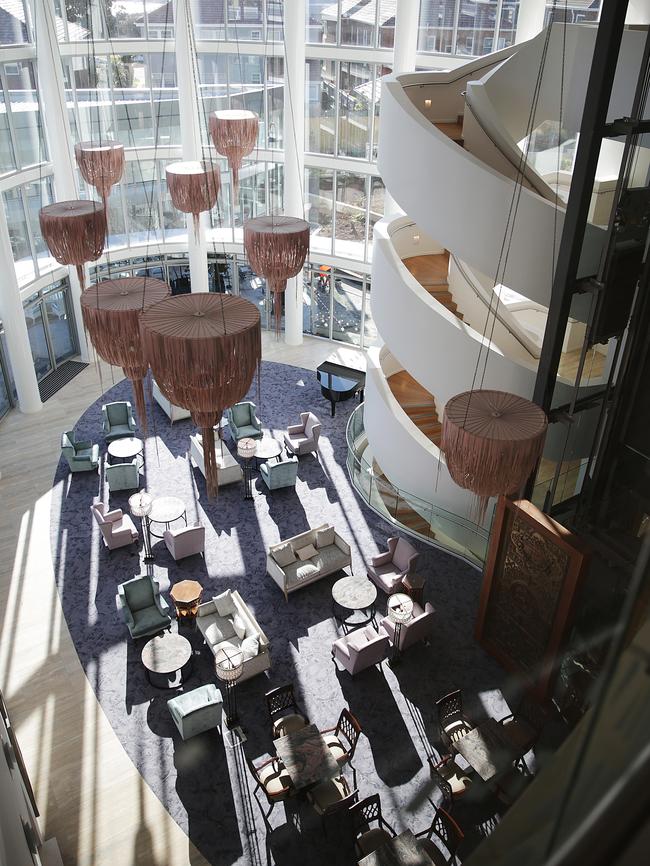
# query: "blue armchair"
282,474
118,420
243,421
122,476
81,456
143,609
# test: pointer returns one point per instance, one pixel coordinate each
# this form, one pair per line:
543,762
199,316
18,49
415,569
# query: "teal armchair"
122,476
243,421
81,456
282,474
143,609
118,420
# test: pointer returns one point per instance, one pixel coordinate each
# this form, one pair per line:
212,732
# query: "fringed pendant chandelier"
111,312
234,134
203,350
492,441
194,187
74,232
101,165
276,247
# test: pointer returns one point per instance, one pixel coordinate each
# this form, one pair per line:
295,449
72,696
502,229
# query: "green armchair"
118,420
122,476
276,475
143,609
243,421
81,456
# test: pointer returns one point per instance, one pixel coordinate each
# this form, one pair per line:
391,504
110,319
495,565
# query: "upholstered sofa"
228,469
330,553
174,413
226,619
418,628
360,649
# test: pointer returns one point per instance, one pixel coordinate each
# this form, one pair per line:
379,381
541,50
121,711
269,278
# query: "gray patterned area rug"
204,783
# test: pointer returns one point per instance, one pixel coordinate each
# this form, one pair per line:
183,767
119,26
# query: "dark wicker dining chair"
447,832
367,838
451,720
285,714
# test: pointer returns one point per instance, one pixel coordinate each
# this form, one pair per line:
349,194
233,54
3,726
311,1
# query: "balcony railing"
412,514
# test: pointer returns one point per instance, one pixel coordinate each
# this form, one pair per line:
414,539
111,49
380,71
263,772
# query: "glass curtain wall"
467,27
50,327
22,204
367,23
22,143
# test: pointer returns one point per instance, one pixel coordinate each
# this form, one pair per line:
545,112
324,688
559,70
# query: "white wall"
14,809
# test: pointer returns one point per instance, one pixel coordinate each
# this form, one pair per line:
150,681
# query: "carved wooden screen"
532,574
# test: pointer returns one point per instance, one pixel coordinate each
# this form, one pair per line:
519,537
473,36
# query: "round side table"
186,595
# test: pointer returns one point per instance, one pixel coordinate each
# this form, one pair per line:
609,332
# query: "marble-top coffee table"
352,594
168,660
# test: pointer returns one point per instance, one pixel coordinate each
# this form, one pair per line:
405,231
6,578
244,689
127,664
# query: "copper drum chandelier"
101,165
234,134
193,187
111,312
74,232
276,247
203,350
492,441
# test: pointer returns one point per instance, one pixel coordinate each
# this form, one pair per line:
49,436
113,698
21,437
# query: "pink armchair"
185,541
303,438
117,529
387,569
360,649
418,628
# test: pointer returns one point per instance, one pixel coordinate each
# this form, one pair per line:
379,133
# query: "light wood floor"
89,794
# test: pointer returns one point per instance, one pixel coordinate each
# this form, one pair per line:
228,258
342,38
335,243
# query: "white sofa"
332,553
225,619
174,413
228,469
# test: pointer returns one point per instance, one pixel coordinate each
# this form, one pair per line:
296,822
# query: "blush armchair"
418,628
243,421
118,420
81,456
185,541
360,649
117,529
388,569
143,609
303,438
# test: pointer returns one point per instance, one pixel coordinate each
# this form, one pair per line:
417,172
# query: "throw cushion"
324,537
250,647
224,603
138,594
284,554
239,625
357,639
221,629
305,553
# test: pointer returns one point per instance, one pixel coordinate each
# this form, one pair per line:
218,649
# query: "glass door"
60,334
38,339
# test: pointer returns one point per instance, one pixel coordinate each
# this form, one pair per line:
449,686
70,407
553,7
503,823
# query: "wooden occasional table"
186,595
307,757
413,586
167,660
402,850
126,448
487,749
165,510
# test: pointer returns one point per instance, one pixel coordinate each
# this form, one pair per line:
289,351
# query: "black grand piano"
338,382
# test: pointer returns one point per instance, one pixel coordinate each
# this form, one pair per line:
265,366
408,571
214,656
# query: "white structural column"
59,137
404,57
13,320
294,150
188,101
406,36
530,19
